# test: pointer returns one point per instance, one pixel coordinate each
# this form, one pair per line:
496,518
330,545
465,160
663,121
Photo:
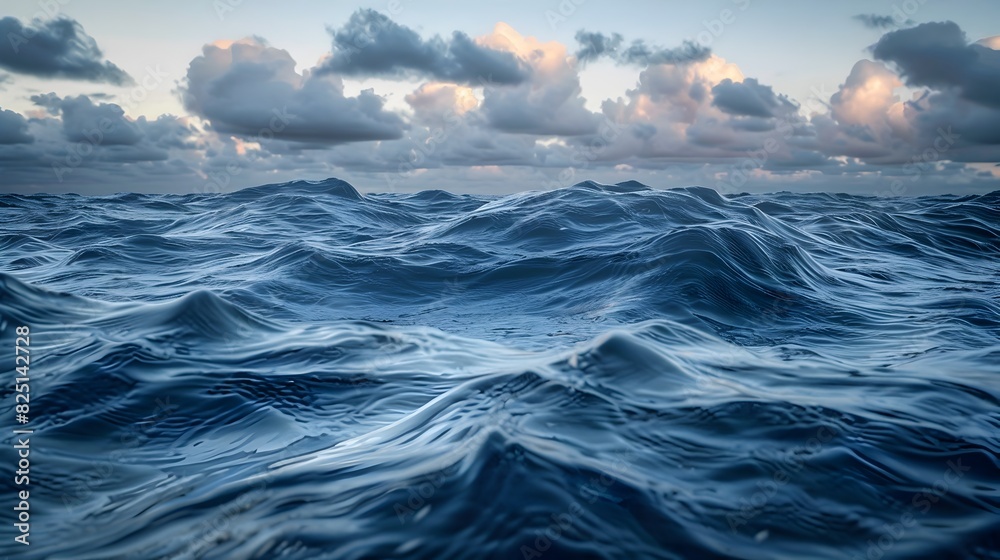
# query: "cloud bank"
508,111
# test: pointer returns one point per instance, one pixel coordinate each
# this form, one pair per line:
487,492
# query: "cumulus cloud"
439,103
371,44
105,125
550,102
56,48
867,97
82,120
252,89
953,116
937,55
597,45
13,128
692,118
95,145
706,112
750,98
867,119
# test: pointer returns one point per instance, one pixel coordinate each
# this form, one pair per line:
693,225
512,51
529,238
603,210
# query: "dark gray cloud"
371,44
83,121
753,124
561,114
594,45
252,90
56,48
49,101
750,99
88,147
642,54
104,125
876,21
937,55
14,128
955,119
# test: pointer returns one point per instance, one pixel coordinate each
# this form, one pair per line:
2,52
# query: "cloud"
56,48
371,44
251,89
92,147
703,112
749,98
937,55
105,125
597,45
13,128
867,97
953,116
550,103
692,118
867,120
438,104
84,121
875,21
641,54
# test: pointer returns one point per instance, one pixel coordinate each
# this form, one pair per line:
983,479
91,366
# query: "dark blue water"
300,371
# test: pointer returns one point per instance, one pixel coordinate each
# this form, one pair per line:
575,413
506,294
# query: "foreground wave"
602,371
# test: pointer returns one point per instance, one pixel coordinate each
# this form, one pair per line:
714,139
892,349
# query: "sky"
877,98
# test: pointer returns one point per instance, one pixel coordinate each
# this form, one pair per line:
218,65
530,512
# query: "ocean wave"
602,371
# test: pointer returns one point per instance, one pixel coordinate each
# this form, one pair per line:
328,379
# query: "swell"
686,252
302,371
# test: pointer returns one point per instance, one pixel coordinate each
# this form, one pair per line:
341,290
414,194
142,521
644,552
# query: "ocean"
300,371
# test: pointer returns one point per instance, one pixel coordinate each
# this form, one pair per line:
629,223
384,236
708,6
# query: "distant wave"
602,371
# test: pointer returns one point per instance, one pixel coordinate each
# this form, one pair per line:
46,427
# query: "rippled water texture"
300,371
